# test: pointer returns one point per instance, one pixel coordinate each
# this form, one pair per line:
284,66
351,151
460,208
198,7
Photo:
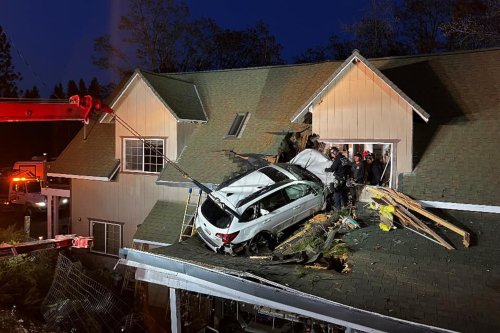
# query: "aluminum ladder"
192,204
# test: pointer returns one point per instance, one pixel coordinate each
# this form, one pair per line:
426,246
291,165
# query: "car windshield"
215,214
33,187
302,173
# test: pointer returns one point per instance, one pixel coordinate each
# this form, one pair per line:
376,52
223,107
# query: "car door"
304,201
275,213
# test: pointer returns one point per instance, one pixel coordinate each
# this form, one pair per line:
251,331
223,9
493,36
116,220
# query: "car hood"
315,162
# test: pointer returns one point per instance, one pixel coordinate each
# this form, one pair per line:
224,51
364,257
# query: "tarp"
315,162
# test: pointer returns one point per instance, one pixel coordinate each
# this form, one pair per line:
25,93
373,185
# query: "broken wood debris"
405,207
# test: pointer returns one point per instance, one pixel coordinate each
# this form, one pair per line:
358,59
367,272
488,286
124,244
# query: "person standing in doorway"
375,170
338,187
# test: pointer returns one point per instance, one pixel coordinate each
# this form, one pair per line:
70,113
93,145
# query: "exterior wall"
360,106
130,196
127,200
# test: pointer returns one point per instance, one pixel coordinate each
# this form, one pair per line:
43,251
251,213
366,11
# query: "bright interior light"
41,204
64,201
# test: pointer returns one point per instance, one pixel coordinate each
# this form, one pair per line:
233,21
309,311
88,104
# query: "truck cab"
25,187
26,192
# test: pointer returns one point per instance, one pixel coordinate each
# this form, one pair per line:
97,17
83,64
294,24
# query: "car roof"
262,191
240,187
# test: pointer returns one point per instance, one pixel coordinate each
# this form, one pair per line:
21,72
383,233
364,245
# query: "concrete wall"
360,106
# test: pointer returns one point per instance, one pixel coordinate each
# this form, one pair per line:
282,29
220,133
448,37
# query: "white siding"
361,106
129,198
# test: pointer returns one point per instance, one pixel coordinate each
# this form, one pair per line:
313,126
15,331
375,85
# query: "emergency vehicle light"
17,179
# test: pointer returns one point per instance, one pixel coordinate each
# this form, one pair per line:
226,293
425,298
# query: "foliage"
58,92
25,279
308,243
475,24
164,39
421,22
72,88
376,33
8,75
413,27
32,93
11,235
337,250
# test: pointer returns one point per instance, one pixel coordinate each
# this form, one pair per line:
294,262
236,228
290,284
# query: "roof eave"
168,106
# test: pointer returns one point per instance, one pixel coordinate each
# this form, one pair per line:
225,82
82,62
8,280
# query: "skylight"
237,126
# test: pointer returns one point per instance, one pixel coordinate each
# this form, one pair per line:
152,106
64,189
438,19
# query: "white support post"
175,311
49,216
55,200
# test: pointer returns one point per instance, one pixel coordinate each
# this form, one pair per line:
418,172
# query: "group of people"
365,169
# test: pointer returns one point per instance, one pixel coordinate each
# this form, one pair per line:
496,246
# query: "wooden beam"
408,203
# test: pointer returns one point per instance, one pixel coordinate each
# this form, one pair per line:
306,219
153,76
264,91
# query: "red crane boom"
73,109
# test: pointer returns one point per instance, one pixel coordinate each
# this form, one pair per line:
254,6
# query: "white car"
249,211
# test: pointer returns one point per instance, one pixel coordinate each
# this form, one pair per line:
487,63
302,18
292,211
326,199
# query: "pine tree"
8,76
95,89
82,88
72,88
58,92
32,93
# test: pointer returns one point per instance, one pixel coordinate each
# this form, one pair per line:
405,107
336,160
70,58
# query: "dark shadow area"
20,141
425,83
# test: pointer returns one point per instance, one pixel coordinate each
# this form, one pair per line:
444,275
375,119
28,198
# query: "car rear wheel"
261,244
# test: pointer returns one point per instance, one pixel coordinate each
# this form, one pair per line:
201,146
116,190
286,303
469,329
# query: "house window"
143,156
237,125
107,237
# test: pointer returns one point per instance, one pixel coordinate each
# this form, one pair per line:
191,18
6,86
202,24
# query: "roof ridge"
165,75
254,68
323,62
437,54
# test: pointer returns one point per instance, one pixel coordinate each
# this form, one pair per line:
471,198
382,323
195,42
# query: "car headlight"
64,201
41,204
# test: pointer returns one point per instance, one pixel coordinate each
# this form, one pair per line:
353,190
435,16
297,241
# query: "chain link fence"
77,303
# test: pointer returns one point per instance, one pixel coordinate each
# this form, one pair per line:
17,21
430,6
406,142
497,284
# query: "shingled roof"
92,158
163,223
178,95
452,152
270,95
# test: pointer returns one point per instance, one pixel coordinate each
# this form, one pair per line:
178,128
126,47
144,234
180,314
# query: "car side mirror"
263,212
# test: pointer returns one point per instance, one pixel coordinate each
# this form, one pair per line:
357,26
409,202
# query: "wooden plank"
407,218
423,212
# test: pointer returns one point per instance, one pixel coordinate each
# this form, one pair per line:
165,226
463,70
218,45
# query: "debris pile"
390,202
315,244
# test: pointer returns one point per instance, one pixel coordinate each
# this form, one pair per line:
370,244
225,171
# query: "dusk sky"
55,38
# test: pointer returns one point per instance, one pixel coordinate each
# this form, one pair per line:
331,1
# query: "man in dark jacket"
359,169
375,170
359,175
338,167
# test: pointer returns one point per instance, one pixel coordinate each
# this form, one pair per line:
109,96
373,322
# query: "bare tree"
475,24
420,22
376,33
